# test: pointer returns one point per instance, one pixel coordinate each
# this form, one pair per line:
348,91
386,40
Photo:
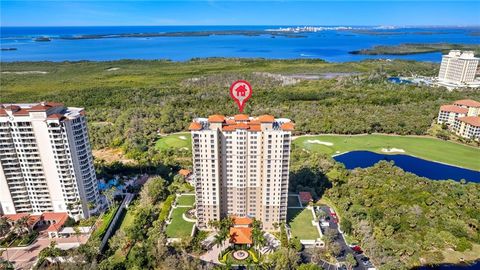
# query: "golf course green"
175,141
421,147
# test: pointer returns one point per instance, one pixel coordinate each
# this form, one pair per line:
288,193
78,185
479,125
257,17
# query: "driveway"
341,241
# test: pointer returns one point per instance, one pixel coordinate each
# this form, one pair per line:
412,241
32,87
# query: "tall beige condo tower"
458,67
46,160
241,165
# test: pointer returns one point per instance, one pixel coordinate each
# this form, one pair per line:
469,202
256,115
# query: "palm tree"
4,226
257,234
218,240
21,226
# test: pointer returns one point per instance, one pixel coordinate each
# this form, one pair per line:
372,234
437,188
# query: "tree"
153,191
109,195
257,234
4,226
284,259
350,261
309,266
21,226
118,241
296,244
77,233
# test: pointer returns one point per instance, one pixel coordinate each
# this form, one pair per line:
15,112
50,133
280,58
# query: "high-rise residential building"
241,165
46,163
458,67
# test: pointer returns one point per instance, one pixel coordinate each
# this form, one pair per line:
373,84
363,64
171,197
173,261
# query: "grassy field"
175,141
301,225
179,228
422,147
186,200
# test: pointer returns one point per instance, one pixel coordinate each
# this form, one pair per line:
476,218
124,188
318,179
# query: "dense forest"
129,102
402,220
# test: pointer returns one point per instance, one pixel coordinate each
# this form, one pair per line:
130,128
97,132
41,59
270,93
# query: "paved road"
341,241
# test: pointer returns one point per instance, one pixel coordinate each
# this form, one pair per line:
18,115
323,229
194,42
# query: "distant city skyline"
188,12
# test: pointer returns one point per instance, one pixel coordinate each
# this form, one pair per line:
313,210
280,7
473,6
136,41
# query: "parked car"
357,249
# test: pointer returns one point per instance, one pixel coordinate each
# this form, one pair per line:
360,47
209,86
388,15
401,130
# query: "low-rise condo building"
468,127
46,163
241,168
472,106
458,67
449,113
462,117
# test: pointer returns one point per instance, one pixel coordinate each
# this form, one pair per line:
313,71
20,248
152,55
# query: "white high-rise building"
458,67
46,163
241,165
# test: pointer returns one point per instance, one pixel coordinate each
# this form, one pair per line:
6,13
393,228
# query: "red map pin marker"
241,91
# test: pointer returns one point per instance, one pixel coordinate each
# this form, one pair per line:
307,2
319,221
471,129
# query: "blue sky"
89,13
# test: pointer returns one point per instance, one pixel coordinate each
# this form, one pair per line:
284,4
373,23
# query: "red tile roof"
471,120
241,235
3,112
468,103
58,220
32,219
289,126
305,196
195,126
44,106
21,112
184,172
241,117
242,220
55,116
453,108
266,118
216,118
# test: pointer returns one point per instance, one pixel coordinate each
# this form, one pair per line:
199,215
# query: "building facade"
449,113
46,160
458,67
241,166
468,127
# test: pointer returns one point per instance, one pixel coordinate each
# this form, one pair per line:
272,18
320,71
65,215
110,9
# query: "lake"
418,166
330,45
474,266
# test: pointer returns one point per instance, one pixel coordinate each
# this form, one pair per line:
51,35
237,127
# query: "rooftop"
241,235
453,108
242,121
54,110
242,220
468,103
471,120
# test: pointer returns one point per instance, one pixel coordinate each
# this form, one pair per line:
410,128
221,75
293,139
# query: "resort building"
46,164
472,106
241,167
468,127
458,67
449,113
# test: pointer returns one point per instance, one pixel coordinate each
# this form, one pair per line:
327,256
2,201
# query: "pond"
475,265
418,166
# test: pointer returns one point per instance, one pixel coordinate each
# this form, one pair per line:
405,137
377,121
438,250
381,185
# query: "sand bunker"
182,137
25,72
393,150
320,142
113,69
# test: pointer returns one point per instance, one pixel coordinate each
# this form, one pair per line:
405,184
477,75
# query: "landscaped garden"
175,141
239,256
300,222
179,227
186,200
422,147
104,222
18,234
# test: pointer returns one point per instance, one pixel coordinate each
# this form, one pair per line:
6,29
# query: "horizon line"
289,25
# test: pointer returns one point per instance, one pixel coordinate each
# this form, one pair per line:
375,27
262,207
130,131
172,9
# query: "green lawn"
175,141
186,200
422,147
179,228
127,219
301,225
293,201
